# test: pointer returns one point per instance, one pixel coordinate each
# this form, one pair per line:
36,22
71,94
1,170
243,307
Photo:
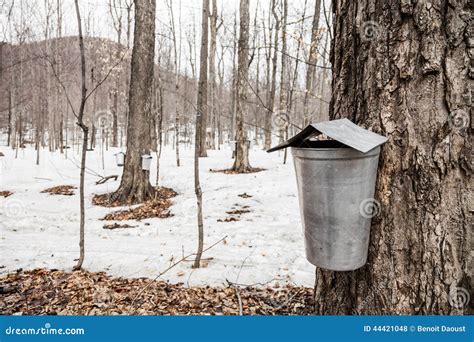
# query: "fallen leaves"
52,292
245,195
117,226
156,207
228,219
153,208
233,172
244,210
5,193
65,190
110,200
235,213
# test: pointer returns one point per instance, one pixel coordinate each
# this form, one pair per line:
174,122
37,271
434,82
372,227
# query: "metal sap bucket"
336,184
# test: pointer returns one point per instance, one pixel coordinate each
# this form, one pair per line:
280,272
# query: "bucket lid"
342,130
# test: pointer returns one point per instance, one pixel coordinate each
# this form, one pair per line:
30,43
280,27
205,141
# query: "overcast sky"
29,17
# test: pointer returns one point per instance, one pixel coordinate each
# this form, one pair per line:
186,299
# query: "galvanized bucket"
335,186
336,183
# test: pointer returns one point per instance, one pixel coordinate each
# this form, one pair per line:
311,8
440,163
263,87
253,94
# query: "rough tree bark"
402,69
241,162
135,185
201,107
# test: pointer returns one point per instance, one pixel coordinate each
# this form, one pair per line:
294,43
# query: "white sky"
30,16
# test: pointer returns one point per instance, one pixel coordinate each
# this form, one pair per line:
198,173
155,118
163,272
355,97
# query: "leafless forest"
133,137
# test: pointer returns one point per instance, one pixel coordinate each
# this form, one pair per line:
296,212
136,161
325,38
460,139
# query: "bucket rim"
322,148
375,150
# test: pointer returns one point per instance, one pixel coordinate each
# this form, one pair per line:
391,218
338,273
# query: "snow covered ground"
41,230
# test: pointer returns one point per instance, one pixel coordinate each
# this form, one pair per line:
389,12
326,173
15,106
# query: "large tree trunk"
241,162
135,186
402,69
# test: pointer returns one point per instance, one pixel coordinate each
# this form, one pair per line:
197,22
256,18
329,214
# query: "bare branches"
106,76
185,258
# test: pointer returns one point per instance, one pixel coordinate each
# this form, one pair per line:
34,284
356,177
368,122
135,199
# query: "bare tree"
201,107
284,116
159,108
274,64
213,113
311,66
115,8
85,131
176,78
203,110
241,162
233,108
291,92
135,185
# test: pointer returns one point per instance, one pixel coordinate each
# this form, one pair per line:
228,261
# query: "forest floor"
53,292
251,220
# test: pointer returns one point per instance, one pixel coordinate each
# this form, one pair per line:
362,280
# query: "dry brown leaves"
245,195
232,172
52,292
157,207
235,213
239,211
117,226
66,190
5,193
110,200
153,208
229,219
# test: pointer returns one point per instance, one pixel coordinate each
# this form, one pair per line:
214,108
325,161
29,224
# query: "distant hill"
29,76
